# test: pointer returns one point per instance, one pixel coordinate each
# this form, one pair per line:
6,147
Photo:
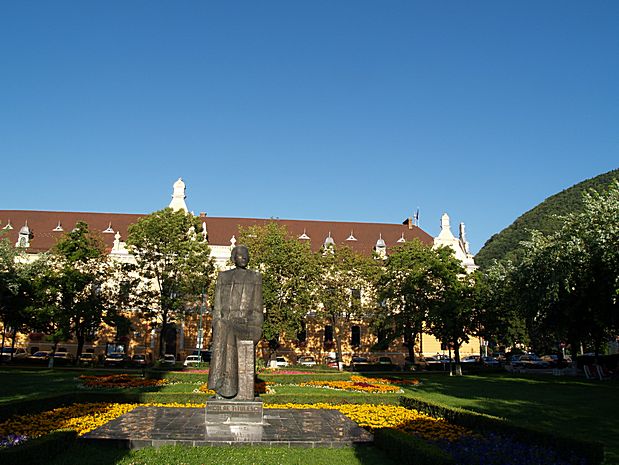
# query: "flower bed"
398,382
363,384
78,417
391,416
354,386
119,381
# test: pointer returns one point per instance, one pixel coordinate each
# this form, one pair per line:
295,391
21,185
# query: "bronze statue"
237,316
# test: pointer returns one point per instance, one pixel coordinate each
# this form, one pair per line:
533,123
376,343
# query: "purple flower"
12,440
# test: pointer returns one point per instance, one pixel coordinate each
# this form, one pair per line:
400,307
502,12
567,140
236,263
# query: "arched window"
355,336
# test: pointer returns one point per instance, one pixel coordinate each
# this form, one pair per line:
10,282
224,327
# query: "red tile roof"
220,230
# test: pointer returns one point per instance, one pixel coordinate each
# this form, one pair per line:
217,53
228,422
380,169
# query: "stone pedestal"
244,409
246,357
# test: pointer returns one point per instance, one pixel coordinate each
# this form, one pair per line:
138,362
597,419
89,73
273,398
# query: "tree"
16,291
496,316
173,261
289,273
346,288
568,281
408,289
450,318
79,270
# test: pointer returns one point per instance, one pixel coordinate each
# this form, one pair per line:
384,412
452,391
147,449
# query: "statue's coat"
237,316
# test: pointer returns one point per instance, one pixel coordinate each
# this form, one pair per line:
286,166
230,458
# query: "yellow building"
37,231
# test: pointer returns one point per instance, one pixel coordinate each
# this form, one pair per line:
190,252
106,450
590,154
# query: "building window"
302,334
328,334
355,336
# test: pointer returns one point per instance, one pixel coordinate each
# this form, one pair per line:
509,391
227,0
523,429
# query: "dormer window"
25,234
8,226
329,244
401,240
58,228
109,229
381,247
351,237
304,236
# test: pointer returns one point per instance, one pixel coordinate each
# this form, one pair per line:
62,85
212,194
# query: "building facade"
37,232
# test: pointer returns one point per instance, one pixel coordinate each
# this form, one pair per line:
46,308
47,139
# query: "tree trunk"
13,337
458,371
80,336
3,336
338,342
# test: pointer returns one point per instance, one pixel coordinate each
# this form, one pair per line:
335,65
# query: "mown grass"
98,455
574,407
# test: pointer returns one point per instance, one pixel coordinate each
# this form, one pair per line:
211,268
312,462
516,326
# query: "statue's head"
240,256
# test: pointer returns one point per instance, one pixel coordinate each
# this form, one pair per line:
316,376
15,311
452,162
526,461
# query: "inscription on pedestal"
233,412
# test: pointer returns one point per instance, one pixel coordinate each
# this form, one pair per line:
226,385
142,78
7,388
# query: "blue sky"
328,110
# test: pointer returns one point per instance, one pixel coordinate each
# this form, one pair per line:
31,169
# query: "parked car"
192,360
420,363
139,360
331,362
168,360
87,359
306,360
278,362
529,361
63,358
437,362
116,360
204,354
384,361
13,353
470,359
42,356
490,362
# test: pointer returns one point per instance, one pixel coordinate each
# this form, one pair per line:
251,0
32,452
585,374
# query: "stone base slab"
157,426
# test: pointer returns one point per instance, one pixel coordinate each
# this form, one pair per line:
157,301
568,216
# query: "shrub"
592,452
38,450
410,450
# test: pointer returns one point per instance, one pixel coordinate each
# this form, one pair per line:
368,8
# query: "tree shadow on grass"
568,406
83,452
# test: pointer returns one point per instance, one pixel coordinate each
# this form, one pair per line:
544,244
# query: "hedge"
591,451
48,403
38,450
410,450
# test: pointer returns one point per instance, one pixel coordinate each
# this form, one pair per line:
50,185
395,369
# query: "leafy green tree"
289,277
79,268
496,316
346,288
408,289
174,262
16,291
450,316
568,281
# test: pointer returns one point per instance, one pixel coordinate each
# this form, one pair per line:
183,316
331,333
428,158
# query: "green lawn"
24,384
574,407
96,455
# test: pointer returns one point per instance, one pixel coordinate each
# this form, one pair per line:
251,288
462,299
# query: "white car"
307,361
278,362
192,360
168,359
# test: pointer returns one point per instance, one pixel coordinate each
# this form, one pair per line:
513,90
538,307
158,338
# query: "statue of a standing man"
237,316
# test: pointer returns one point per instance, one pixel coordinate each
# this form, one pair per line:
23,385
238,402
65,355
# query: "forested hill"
543,218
